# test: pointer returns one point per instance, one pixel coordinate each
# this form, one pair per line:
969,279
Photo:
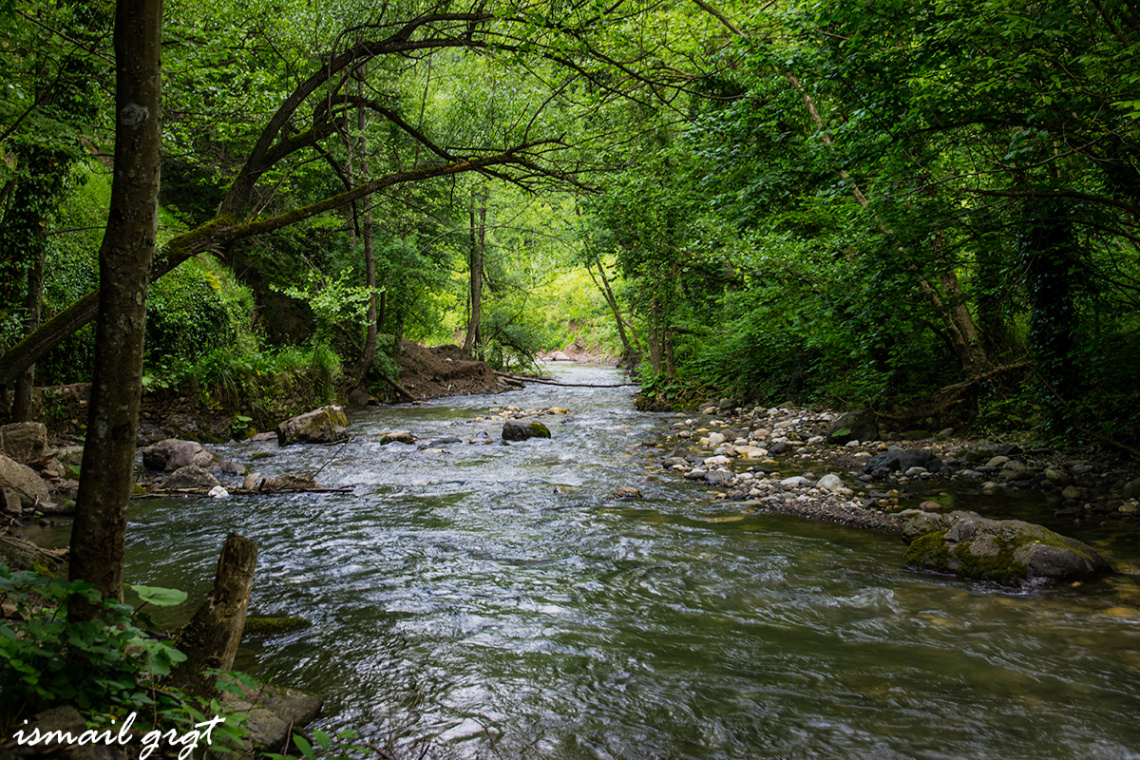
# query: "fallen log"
159,493
399,388
555,382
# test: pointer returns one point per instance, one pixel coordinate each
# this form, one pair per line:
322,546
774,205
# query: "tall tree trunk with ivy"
99,532
478,248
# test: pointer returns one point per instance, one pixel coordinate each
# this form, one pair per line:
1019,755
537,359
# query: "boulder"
626,492
560,356
24,441
289,483
24,482
274,713
252,481
397,436
858,425
513,430
173,454
360,397
324,425
1010,552
902,460
1132,490
720,477
830,483
190,476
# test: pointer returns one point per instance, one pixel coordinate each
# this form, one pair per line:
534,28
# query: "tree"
587,42
99,531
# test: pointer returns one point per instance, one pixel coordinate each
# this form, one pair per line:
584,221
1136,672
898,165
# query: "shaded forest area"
929,209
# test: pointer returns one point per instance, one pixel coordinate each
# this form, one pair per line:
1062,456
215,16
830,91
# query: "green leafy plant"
47,659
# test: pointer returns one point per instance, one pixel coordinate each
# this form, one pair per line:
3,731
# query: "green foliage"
343,749
46,659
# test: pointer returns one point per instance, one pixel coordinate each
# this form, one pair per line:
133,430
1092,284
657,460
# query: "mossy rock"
272,626
1010,552
261,455
513,430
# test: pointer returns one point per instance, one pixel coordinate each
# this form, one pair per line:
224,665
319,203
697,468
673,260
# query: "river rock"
1011,552
830,483
24,442
720,477
25,483
901,460
172,454
252,481
796,481
190,476
360,397
274,713
1131,490
289,483
859,425
324,425
626,492
560,356
397,436
1015,470
1072,493
513,430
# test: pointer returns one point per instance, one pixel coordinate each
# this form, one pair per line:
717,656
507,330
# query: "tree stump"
210,639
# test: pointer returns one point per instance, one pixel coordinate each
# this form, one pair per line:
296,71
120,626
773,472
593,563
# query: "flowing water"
495,601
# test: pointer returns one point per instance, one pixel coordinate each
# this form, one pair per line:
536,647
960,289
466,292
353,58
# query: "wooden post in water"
211,638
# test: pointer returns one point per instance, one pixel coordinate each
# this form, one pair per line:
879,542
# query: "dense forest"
930,209
853,205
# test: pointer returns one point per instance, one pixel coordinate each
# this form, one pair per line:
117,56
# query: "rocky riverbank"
808,463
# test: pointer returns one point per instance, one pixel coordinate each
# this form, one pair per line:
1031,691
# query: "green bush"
45,659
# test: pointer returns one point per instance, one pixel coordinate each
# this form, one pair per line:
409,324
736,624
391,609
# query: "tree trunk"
655,336
631,354
473,340
373,333
211,638
33,306
99,531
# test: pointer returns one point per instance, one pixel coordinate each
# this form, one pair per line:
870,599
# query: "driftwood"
159,493
568,385
399,388
211,638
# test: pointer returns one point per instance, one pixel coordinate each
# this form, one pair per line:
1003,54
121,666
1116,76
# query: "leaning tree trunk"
99,531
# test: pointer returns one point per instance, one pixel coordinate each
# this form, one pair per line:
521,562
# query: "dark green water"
494,601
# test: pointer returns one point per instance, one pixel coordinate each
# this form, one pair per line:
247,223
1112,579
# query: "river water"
495,601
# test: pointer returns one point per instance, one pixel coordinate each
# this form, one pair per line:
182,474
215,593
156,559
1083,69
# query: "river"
494,601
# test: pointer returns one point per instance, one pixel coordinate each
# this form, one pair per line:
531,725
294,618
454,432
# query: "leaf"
159,597
304,746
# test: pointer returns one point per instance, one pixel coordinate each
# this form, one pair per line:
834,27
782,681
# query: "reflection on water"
495,600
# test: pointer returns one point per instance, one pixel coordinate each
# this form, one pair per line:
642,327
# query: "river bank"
780,457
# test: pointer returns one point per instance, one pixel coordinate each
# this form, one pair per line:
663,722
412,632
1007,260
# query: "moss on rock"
270,626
